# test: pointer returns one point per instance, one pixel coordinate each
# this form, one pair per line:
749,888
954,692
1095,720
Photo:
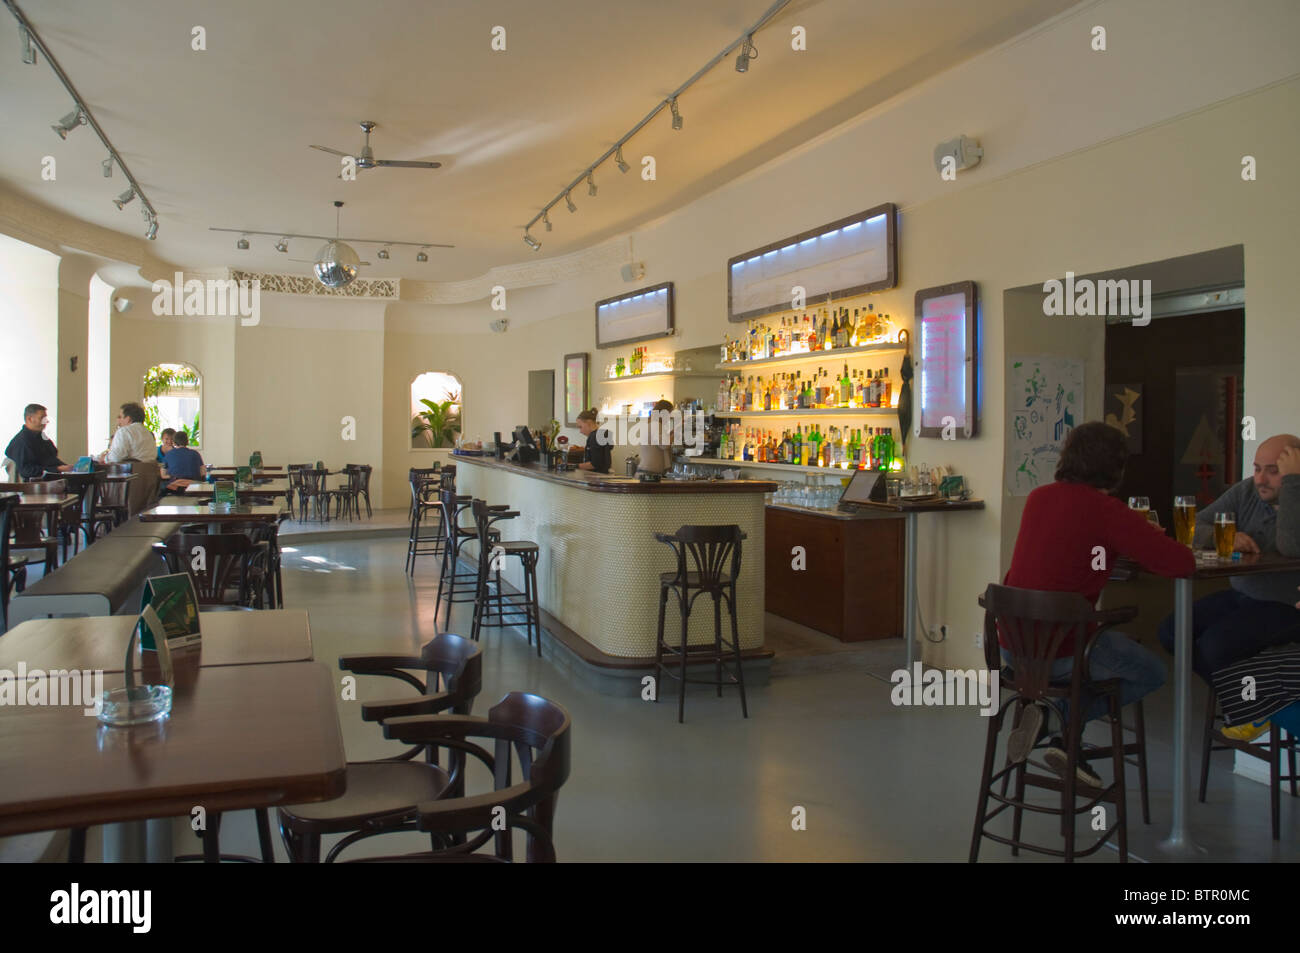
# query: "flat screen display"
945,321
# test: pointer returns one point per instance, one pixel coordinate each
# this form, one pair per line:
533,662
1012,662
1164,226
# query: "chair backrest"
1032,625
45,487
7,503
539,732
121,468
223,566
450,510
711,552
312,480
363,478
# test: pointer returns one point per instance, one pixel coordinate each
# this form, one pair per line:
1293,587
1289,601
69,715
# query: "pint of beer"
1185,519
1225,534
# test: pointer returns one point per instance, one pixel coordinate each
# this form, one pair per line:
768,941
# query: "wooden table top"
37,501
207,489
1209,566
237,737
121,477
926,506
199,513
99,642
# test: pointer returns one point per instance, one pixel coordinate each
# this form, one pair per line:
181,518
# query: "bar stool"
710,549
423,483
500,609
461,586
1268,748
1035,624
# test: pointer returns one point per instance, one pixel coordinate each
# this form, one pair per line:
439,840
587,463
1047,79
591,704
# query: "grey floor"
877,782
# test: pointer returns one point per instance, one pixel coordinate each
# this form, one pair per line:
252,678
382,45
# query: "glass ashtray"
135,706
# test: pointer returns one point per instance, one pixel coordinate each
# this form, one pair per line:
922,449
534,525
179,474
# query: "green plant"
192,431
437,424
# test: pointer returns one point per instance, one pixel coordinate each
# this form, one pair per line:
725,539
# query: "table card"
223,493
173,600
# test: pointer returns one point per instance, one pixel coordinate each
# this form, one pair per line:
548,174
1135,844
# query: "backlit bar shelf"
657,375
812,356
790,467
822,412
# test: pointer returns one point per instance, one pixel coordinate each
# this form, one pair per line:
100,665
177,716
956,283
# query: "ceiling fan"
365,159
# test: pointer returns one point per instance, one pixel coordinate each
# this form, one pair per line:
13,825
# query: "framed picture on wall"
576,387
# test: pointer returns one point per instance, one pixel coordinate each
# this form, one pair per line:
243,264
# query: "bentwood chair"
383,797
425,507
34,530
460,586
359,486
231,572
714,567
539,732
7,503
312,491
264,573
1033,625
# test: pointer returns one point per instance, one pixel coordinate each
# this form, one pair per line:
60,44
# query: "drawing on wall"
1046,401
1124,413
1207,442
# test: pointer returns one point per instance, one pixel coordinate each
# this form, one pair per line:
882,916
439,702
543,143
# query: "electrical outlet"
935,632
979,640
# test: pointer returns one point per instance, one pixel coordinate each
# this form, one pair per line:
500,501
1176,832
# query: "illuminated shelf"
657,374
791,467
822,412
812,356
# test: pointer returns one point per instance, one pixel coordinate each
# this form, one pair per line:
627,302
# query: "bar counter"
598,570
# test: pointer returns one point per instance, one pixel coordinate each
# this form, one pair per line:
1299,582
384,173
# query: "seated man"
1257,612
184,465
1276,677
165,443
133,443
1062,525
32,451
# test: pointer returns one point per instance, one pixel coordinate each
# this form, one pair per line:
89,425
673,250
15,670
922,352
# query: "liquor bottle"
834,339
889,448
870,319
796,445
846,388
824,336
885,390
879,386
853,329
814,342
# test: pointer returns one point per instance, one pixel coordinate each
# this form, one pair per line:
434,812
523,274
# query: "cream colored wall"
74,310
29,289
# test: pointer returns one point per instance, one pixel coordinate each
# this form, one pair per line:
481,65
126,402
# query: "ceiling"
220,137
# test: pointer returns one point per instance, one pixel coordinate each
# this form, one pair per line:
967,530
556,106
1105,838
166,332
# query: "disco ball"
336,265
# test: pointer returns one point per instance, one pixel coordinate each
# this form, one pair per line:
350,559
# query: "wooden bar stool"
1268,748
460,586
1034,625
711,549
425,505
497,608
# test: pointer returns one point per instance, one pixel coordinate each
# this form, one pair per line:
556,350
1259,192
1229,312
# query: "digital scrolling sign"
945,319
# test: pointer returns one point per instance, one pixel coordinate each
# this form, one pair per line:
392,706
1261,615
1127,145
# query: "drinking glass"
1185,519
1225,534
1140,503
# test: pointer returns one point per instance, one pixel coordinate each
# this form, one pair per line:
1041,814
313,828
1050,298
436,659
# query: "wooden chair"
11,570
33,530
112,505
1269,747
714,567
313,491
382,796
1034,625
460,586
493,606
425,505
538,731
232,571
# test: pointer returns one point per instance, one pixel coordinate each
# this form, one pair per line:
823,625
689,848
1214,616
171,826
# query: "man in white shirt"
132,441
134,444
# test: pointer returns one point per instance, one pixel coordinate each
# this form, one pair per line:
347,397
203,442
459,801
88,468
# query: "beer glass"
1225,534
1140,503
1185,519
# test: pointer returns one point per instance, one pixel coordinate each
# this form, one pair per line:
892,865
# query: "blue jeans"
1228,627
1114,655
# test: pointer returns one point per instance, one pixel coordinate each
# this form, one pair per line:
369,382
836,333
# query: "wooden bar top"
607,483
238,737
871,511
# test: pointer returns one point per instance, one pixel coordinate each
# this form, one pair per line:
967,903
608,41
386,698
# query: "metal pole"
1179,843
909,585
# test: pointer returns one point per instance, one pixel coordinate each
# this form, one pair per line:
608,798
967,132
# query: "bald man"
1259,611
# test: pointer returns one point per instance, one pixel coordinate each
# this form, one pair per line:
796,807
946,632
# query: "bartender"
599,455
658,457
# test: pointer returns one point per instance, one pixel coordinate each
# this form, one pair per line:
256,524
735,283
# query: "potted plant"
439,423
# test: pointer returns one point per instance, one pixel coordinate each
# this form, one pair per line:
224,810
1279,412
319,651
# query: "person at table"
165,443
599,455
1258,611
133,443
1276,676
184,466
1063,525
657,457
32,452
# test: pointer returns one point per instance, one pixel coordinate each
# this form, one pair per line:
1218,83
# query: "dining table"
203,513
1180,844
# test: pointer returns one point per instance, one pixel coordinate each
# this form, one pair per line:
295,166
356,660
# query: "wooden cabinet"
851,583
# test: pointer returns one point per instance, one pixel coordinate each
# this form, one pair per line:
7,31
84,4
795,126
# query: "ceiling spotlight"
421,256
532,243
29,51
618,158
546,220
383,253
242,244
152,232
282,245
748,52
569,202
677,117
124,198
107,166
69,122
591,184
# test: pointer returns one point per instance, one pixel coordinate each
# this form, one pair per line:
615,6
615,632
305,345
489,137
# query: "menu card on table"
177,606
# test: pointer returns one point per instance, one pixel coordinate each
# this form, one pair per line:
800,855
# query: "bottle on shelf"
885,395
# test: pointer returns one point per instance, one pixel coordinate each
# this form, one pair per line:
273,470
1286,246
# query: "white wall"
29,309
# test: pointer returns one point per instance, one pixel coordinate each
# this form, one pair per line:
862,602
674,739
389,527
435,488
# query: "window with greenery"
172,394
435,410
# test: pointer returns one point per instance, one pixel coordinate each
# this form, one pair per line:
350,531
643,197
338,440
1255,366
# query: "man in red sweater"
1071,533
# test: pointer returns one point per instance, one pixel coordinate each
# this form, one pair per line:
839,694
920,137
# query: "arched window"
172,398
436,410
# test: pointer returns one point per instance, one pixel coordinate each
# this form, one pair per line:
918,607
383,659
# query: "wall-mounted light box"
635,316
849,257
948,364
